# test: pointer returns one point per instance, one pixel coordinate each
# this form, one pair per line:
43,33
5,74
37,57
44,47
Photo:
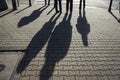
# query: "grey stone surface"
55,48
8,60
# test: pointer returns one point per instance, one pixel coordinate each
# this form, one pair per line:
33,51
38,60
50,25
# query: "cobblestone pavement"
77,46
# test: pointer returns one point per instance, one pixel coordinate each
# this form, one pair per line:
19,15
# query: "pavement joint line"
13,50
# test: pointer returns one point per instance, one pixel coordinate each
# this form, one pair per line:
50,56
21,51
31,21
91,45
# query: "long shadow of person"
83,27
33,16
67,5
57,48
37,43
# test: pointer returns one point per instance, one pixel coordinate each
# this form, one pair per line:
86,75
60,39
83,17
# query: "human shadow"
33,16
80,5
69,4
37,43
83,27
57,48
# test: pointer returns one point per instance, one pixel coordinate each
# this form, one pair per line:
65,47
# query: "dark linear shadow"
22,9
50,11
57,48
37,43
82,2
6,12
35,14
83,27
114,16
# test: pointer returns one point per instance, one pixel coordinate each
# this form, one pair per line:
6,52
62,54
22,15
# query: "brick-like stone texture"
73,46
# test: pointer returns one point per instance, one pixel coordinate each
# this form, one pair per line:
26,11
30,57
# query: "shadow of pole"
50,11
109,9
22,10
114,16
6,12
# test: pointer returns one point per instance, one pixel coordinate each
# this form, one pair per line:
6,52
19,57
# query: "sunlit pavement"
77,46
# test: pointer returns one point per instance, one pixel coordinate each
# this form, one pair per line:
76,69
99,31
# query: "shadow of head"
33,16
83,27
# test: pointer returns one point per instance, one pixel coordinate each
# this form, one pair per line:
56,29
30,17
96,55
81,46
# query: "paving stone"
91,78
98,67
16,77
73,63
63,63
23,73
114,78
85,73
74,73
108,67
115,72
83,63
87,68
25,78
78,68
30,73
91,63
29,67
67,59
80,78
59,67
105,72
85,59
63,73
55,73
100,63
116,67
68,67
75,59
100,60
93,59
111,63
58,78
34,78
34,63
102,78
95,73
69,78
40,63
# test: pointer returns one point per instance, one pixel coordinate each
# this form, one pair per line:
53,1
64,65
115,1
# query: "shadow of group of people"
58,40
58,44
69,4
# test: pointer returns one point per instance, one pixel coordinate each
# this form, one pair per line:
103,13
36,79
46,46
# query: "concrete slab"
8,62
